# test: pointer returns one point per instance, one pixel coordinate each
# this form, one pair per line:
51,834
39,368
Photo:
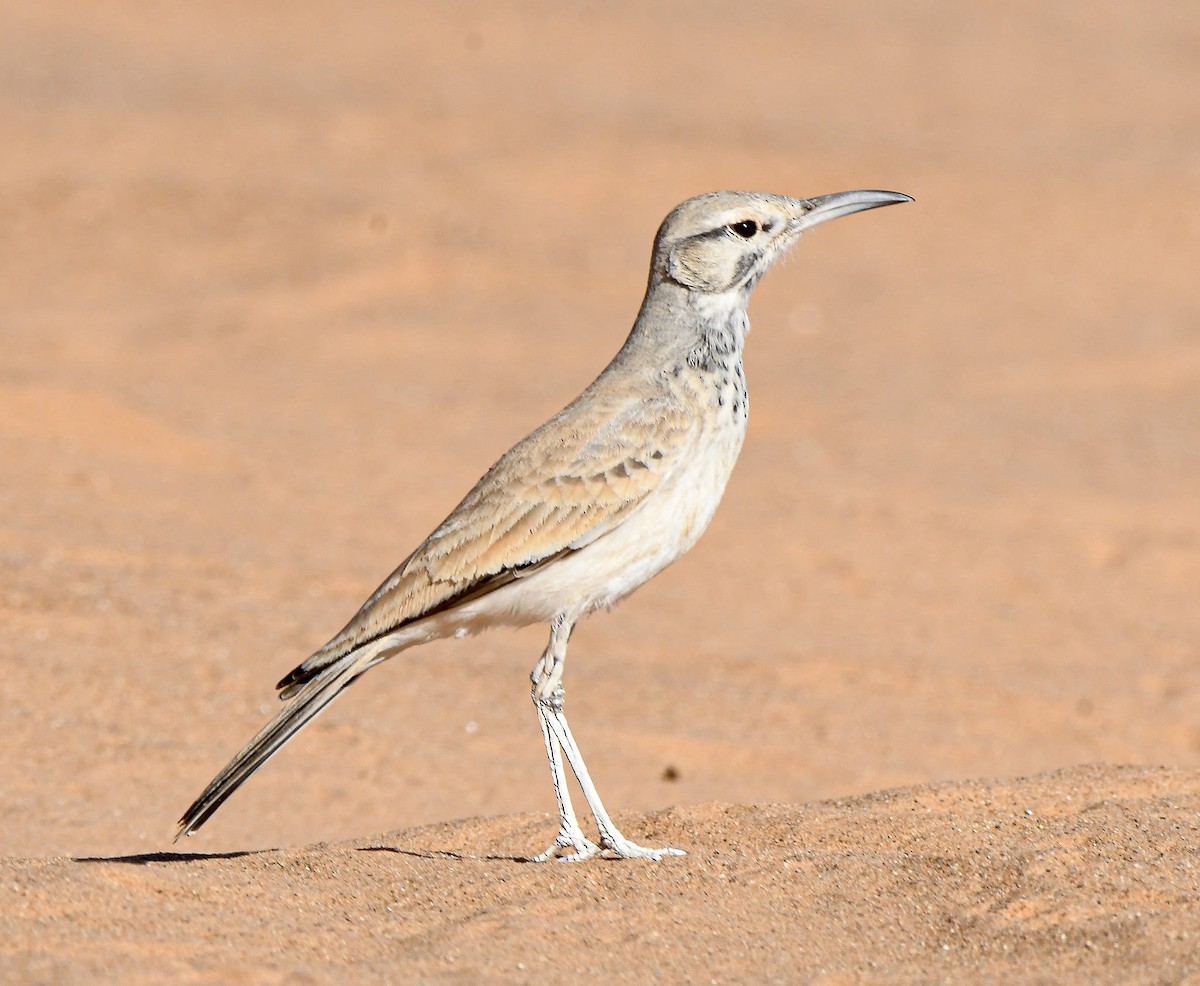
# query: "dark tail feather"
305,702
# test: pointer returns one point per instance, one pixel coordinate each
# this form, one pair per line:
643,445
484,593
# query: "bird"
590,505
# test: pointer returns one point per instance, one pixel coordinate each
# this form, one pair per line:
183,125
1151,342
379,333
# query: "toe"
624,849
581,848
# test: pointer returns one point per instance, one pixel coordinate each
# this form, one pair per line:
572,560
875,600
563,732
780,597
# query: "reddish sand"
276,285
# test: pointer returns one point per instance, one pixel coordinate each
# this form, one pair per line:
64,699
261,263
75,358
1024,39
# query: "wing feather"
572,481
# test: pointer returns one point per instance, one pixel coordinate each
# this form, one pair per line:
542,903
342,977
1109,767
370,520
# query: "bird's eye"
745,229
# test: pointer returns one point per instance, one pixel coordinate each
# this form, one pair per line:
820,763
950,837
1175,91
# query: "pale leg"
570,835
548,697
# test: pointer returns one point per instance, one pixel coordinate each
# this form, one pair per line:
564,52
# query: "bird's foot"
611,846
618,847
582,848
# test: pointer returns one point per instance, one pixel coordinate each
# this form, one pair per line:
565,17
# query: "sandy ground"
277,284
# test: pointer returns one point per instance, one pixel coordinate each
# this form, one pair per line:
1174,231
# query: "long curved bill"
813,212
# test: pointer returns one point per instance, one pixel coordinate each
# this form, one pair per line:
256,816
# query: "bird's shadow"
143,859
461,857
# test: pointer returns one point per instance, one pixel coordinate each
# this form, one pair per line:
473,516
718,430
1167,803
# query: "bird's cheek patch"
686,268
698,265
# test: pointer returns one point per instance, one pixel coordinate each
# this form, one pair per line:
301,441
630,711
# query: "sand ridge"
993,880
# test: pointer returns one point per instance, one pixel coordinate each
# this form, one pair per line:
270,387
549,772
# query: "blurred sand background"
279,281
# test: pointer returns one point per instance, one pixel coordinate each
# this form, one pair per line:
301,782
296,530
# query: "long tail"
305,701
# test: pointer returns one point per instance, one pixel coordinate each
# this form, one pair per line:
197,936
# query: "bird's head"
726,241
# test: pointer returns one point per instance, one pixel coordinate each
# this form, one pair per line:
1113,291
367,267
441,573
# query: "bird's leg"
548,698
611,839
570,835
549,667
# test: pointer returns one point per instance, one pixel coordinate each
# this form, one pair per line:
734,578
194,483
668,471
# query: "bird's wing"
573,480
